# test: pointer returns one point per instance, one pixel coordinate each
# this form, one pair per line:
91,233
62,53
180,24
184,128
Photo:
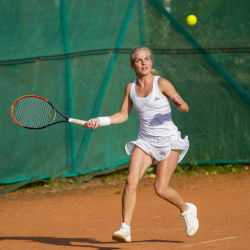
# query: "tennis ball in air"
191,20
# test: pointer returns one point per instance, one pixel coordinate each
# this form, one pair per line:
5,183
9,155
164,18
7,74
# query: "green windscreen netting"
76,55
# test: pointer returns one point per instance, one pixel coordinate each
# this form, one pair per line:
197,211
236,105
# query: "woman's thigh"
140,161
166,168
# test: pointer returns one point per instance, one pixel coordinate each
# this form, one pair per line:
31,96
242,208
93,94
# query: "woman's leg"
164,171
140,161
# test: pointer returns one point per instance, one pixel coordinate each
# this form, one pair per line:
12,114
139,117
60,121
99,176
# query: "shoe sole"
120,238
195,209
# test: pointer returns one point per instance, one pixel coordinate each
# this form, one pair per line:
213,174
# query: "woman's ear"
132,65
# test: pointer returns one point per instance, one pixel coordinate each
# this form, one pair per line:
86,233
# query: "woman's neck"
145,80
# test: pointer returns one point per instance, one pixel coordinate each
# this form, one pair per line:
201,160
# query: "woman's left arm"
168,90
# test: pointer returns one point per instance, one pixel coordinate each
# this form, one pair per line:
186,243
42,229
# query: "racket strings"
33,112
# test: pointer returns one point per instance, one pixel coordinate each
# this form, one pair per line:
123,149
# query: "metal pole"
69,85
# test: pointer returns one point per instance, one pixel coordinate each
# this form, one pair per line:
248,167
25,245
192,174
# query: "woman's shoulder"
162,80
128,87
163,83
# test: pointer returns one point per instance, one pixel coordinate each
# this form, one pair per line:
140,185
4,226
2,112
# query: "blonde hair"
132,57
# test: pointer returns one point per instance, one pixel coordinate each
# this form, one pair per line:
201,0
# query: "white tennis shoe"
190,218
123,234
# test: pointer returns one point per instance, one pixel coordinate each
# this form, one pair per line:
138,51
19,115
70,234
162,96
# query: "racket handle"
76,121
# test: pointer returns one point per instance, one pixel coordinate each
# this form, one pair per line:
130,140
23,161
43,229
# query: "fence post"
69,84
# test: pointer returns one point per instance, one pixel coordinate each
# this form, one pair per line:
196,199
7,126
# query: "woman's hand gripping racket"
35,112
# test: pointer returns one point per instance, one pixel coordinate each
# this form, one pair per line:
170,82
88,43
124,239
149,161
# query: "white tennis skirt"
160,147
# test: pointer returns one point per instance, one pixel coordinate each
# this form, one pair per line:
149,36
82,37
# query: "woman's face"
143,63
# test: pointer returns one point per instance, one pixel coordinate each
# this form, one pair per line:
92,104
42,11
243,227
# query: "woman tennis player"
158,140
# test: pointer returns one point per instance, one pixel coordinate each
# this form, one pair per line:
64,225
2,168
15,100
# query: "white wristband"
104,121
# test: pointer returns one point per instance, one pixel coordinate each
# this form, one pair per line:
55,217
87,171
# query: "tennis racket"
35,112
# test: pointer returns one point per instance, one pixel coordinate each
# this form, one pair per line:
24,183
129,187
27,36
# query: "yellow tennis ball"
191,20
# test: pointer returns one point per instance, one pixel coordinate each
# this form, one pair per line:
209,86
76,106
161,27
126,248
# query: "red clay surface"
86,216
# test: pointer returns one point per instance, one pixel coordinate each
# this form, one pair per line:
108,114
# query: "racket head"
34,112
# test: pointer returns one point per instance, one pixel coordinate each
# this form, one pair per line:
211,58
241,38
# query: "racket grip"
76,121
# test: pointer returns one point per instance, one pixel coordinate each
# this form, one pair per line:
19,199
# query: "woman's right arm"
119,117
122,115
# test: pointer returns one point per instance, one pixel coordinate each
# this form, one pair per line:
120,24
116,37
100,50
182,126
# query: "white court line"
206,242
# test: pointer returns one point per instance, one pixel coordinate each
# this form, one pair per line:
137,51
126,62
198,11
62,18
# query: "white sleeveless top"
158,134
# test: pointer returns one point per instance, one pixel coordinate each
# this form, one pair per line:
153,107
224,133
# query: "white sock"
125,225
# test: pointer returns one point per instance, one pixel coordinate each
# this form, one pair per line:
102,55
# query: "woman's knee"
131,182
161,190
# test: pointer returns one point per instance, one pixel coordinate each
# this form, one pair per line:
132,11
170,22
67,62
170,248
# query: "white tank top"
154,113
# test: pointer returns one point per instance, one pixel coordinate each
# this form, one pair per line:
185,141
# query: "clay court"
87,215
